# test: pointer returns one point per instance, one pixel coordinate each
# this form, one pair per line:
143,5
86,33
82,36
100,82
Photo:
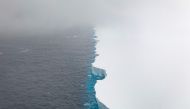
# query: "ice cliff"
94,74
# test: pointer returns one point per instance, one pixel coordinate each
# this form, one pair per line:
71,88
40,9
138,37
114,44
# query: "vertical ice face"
94,75
98,73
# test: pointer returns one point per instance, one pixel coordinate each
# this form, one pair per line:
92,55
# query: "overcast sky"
145,49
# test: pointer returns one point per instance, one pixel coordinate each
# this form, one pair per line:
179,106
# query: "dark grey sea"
46,71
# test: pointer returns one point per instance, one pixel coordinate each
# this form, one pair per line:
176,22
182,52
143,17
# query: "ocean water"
49,71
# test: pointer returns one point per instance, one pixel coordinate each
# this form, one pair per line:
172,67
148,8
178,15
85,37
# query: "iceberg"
94,75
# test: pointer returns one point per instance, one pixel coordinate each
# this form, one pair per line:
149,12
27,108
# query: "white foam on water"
24,50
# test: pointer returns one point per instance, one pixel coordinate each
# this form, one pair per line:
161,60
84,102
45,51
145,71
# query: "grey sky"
146,51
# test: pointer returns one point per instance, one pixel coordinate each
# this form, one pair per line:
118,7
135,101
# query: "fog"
45,15
146,54
29,16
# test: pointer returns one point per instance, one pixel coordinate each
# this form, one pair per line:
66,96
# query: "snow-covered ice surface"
51,71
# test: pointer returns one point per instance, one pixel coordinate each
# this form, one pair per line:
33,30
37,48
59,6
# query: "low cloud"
46,15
